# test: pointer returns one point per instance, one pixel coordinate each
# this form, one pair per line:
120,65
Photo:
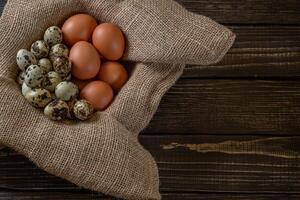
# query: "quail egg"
21,77
51,80
25,89
40,49
83,109
62,66
71,104
38,97
45,64
58,50
34,76
53,35
25,58
57,110
66,90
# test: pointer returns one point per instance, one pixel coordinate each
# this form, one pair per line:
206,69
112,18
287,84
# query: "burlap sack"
104,154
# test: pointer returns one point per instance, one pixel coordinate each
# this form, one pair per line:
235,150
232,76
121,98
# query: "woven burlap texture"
104,154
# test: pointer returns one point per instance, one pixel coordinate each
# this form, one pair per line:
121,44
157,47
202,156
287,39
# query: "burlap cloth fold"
104,154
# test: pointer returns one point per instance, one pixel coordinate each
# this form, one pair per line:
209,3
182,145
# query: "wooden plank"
25,195
234,164
69,195
266,51
259,51
225,196
220,106
273,38
248,11
224,106
213,164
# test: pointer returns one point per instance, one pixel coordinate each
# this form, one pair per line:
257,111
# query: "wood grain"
252,150
235,164
224,106
266,51
227,164
23,195
247,11
226,196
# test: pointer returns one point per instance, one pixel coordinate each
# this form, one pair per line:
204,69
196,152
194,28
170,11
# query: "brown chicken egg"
109,40
114,74
85,60
98,93
77,28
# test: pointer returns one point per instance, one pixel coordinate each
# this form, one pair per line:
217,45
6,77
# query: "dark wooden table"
223,132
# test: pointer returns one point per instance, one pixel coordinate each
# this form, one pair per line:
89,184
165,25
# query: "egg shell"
45,64
40,49
98,93
53,35
58,50
21,77
25,58
77,28
71,104
34,76
62,66
57,110
83,110
85,60
25,89
66,90
109,40
38,97
114,74
51,80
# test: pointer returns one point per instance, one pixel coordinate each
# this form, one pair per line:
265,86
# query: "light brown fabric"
104,154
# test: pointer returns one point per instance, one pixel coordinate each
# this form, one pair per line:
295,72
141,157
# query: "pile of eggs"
73,71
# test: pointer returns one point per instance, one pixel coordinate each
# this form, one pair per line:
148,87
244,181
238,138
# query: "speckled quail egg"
21,77
34,76
57,110
53,35
45,64
40,49
83,109
58,50
71,104
25,58
66,90
25,89
38,97
51,80
62,66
